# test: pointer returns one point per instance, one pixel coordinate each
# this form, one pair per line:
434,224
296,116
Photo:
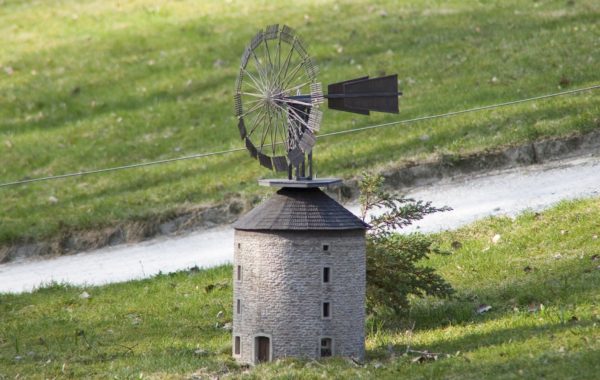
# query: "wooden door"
263,346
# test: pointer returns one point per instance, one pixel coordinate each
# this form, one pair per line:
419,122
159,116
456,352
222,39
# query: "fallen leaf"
200,352
483,308
425,357
564,81
535,307
218,63
496,238
456,245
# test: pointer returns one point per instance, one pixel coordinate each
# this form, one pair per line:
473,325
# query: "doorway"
262,346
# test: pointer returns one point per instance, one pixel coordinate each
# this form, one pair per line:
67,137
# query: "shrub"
394,270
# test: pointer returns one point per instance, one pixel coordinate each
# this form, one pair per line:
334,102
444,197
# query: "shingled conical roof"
299,209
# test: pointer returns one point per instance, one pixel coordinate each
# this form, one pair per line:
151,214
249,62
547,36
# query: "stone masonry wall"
281,292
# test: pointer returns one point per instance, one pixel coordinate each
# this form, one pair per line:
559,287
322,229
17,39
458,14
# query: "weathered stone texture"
282,291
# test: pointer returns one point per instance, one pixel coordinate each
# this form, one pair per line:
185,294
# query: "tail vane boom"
362,95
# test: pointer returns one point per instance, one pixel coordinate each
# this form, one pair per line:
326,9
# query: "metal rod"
364,95
310,166
341,96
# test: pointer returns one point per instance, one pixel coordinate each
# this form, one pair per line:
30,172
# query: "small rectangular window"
326,274
326,347
326,310
238,344
239,307
325,247
239,273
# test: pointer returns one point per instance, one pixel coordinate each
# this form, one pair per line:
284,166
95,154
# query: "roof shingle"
299,210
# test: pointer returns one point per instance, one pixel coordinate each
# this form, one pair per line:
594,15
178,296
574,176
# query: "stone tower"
299,278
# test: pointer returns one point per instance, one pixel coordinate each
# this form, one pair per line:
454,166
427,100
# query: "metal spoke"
281,121
252,109
297,87
258,87
252,94
264,135
278,57
296,77
268,53
258,65
273,130
288,79
294,101
297,117
254,126
286,62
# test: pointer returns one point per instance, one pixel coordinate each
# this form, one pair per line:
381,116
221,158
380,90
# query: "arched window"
326,347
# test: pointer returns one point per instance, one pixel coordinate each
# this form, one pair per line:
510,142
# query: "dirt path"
501,192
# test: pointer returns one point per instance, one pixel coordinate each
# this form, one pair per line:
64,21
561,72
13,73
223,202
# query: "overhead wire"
116,168
336,133
455,113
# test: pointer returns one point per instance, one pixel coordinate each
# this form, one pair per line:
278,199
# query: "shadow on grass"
560,286
114,93
449,29
151,324
570,365
395,148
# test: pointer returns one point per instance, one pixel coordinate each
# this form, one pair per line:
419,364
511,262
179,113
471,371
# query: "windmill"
277,100
299,257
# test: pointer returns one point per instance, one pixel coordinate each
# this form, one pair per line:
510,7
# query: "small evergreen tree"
393,270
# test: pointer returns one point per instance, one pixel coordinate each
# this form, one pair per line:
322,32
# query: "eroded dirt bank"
503,192
400,177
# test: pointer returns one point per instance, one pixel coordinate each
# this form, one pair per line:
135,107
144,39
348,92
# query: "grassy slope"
153,328
93,84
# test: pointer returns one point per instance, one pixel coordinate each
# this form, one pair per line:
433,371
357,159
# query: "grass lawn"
541,280
93,84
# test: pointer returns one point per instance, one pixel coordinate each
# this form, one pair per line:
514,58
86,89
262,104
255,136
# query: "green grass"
94,84
154,328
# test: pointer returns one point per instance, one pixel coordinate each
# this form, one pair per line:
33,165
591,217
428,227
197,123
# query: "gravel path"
506,192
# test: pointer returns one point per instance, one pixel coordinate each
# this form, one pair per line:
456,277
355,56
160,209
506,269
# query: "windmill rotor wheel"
277,99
